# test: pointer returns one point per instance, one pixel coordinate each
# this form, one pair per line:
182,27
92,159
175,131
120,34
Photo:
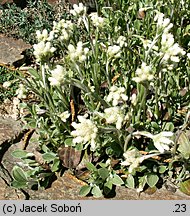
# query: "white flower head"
62,29
43,49
79,53
117,95
57,76
144,73
114,51
161,140
85,132
96,20
170,50
132,159
113,115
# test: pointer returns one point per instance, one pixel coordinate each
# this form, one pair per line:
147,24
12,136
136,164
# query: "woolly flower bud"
42,36
122,41
64,116
21,91
78,9
6,84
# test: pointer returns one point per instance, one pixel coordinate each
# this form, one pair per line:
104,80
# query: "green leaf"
169,126
55,166
108,187
45,148
96,192
21,154
103,172
162,169
85,190
49,156
184,145
108,184
116,180
130,182
69,141
18,174
90,167
17,184
185,187
34,73
152,180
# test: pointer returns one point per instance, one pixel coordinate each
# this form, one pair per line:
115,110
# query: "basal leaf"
96,192
130,182
184,145
90,167
18,174
19,153
85,190
103,172
152,180
116,180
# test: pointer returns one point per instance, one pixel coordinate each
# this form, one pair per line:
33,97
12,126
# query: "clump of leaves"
23,23
10,76
109,86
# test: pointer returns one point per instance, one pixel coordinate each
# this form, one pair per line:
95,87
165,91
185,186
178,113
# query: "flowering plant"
110,90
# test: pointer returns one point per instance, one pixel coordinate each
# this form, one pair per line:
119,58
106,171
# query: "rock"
10,131
11,50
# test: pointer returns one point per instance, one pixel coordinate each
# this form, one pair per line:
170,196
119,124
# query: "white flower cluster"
62,29
169,49
161,140
143,73
96,20
79,53
132,159
57,76
64,116
114,51
85,132
122,41
7,84
163,23
42,50
117,95
113,115
42,36
78,10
